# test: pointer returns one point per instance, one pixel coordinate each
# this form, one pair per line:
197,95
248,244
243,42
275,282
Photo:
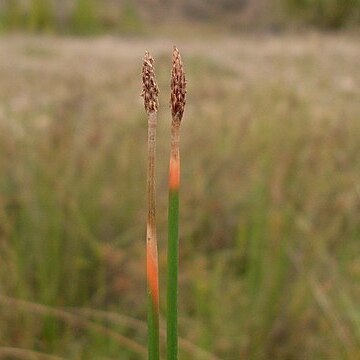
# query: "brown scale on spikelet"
150,91
178,87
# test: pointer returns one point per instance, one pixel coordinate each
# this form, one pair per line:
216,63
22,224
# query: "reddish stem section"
174,170
174,176
152,266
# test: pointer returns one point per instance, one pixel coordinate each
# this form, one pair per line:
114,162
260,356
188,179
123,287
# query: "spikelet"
178,87
150,91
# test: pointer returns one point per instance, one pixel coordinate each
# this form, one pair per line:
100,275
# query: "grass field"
270,209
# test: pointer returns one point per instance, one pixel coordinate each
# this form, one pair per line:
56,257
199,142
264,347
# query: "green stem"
173,246
153,328
172,279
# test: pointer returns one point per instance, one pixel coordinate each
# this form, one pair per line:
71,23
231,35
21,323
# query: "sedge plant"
177,105
150,94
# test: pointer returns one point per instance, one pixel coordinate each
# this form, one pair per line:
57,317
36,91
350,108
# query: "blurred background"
270,194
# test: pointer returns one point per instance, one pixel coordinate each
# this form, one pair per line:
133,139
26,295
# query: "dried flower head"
150,91
178,87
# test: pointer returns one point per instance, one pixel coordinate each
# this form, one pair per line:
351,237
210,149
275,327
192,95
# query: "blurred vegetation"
85,17
93,16
270,208
41,15
331,14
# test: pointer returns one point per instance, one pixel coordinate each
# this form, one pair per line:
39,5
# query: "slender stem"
177,104
150,94
173,245
151,246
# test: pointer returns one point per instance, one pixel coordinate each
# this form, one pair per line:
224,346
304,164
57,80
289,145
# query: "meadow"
270,196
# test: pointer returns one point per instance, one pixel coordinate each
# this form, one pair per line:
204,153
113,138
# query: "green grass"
269,203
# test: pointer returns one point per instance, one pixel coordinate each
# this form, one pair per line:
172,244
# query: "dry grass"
271,153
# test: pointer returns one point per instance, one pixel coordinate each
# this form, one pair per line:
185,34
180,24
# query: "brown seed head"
150,91
178,87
